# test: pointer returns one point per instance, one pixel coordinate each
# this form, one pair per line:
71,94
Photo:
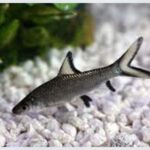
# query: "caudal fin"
125,60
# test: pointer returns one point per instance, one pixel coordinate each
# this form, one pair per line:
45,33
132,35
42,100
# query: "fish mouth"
16,111
20,108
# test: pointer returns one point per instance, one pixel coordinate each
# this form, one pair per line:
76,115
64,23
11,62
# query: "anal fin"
109,85
86,100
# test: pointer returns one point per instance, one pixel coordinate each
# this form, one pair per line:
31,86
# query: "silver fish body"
52,92
71,83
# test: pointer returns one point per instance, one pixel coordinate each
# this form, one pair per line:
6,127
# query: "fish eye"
24,107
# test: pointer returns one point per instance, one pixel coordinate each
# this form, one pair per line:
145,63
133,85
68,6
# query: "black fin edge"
86,100
109,85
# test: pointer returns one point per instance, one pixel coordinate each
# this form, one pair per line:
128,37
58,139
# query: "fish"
70,82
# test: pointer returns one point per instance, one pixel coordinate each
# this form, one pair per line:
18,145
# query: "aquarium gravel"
114,119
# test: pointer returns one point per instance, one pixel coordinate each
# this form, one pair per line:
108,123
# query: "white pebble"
123,140
146,122
67,145
77,122
85,138
98,114
87,144
75,144
37,141
69,129
125,128
37,125
146,113
62,136
112,129
111,117
95,123
42,66
28,66
55,143
134,115
54,60
13,144
42,119
14,70
23,79
136,125
2,141
110,108
53,124
12,93
64,117
2,127
37,82
97,139
69,107
46,133
122,118
141,144
30,130
86,117
79,135
146,134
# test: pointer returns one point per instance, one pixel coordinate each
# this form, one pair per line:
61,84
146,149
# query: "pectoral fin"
109,85
86,100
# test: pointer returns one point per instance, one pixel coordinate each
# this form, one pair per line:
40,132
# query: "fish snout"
20,108
15,111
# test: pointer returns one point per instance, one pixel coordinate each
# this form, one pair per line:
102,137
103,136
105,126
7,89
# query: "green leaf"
1,61
66,6
3,9
35,37
8,33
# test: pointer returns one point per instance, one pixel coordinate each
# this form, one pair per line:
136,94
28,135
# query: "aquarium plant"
29,30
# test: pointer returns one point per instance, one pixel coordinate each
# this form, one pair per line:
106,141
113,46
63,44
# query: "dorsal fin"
67,66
